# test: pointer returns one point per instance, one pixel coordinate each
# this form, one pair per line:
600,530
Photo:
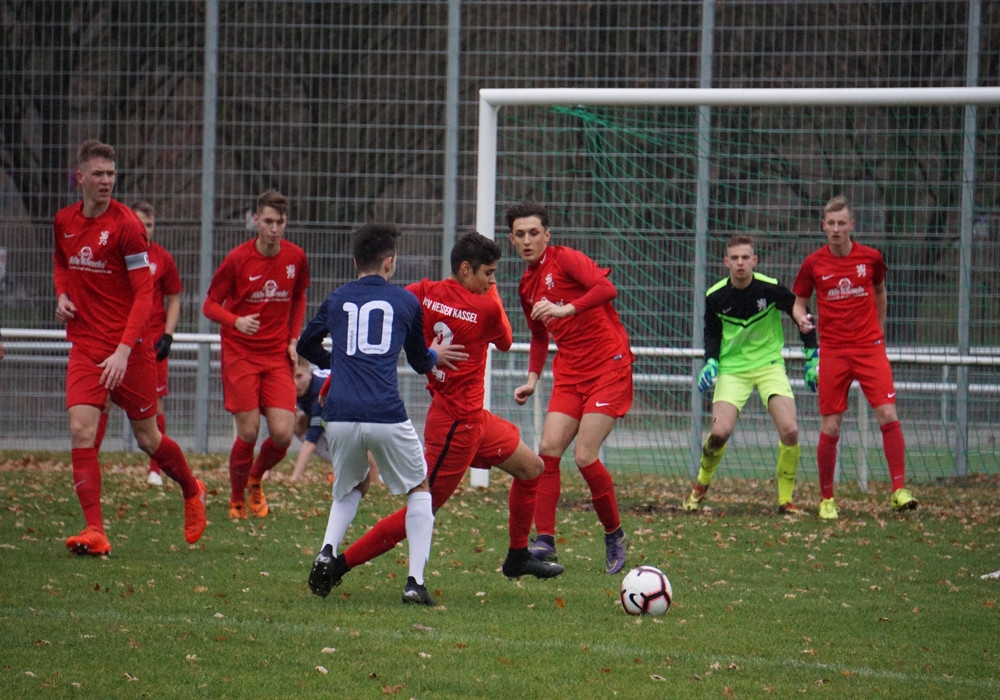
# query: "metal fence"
362,111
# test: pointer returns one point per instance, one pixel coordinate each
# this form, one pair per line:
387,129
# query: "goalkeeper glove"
163,346
709,373
811,376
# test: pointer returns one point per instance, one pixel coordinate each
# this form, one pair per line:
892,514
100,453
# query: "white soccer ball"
646,591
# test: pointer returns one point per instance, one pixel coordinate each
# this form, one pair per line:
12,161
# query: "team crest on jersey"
152,268
103,240
761,304
290,272
862,270
549,282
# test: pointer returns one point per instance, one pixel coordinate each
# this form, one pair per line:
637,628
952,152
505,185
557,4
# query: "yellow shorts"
770,380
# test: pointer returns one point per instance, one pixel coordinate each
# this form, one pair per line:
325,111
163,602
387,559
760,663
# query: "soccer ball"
646,591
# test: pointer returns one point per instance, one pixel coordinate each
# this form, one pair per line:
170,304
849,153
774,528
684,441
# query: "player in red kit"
105,292
258,297
849,280
463,310
163,320
566,295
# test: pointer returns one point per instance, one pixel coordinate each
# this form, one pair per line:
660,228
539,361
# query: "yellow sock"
709,461
788,468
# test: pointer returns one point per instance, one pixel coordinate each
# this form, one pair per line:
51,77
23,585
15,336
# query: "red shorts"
837,371
161,378
136,394
451,447
251,382
610,394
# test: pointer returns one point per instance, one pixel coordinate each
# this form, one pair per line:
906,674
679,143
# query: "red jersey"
845,295
454,315
249,283
102,265
166,283
588,343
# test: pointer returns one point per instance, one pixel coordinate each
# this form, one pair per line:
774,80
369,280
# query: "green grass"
872,604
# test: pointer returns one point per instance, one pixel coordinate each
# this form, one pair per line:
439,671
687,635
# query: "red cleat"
194,514
91,541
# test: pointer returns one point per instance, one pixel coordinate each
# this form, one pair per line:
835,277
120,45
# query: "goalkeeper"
743,343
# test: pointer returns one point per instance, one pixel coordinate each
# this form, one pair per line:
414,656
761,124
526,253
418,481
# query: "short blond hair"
838,203
92,148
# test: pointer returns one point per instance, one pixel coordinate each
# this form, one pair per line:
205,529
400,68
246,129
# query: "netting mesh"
620,183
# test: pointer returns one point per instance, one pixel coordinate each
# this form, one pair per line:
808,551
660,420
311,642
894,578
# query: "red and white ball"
646,591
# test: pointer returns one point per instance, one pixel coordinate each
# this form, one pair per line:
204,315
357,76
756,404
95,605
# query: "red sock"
826,463
387,533
161,423
548,496
87,482
269,455
895,453
172,462
102,427
602,494
521,504
240,458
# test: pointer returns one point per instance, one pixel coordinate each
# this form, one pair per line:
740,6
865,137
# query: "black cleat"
327,572
515,566
416,593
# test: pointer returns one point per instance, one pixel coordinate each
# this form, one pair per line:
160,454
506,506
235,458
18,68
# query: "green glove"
709,373
811,376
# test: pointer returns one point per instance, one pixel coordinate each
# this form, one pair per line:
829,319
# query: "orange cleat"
256,499
238,510
194,514
91,541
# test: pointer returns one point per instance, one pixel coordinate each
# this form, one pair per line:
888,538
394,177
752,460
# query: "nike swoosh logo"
68,235
826,277
601,404
893,394
145,408
254,279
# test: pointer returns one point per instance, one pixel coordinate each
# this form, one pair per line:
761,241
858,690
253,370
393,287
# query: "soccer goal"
651,182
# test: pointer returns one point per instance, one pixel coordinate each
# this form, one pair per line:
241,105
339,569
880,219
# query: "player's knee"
717,440
148,442
529,468
789,435
282,440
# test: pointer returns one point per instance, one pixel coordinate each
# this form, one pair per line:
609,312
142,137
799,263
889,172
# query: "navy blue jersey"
309,404
369,321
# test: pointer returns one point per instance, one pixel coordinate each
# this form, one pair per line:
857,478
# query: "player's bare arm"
247,325
523,392
65,309
802,315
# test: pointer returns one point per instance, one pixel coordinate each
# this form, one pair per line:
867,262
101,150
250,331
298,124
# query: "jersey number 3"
360,326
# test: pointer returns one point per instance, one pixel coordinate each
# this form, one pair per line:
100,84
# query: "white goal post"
491,100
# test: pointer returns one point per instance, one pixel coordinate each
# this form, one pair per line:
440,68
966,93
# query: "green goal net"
653,192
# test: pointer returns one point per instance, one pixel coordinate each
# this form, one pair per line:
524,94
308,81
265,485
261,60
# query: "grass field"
874,604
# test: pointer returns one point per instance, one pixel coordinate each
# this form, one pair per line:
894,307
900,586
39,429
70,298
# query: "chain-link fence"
364,111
